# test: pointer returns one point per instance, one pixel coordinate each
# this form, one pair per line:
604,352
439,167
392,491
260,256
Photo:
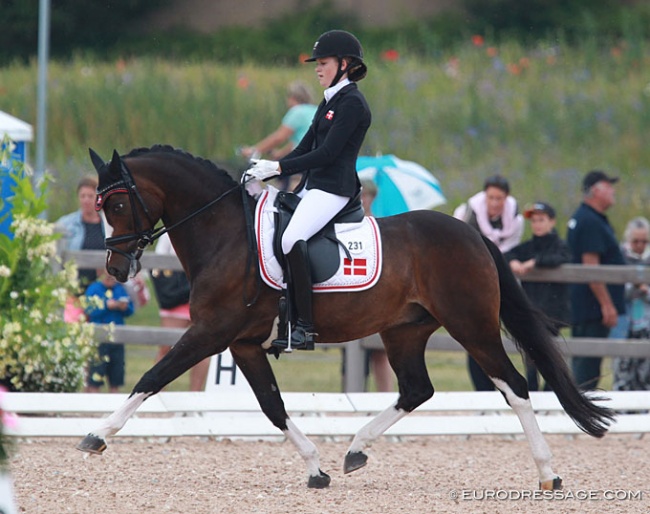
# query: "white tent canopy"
16,129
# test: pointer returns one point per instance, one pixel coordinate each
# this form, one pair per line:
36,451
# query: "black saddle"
323,246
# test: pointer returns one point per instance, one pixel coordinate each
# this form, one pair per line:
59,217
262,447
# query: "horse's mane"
136,152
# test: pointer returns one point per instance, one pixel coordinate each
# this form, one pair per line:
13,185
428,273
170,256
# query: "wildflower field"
542,116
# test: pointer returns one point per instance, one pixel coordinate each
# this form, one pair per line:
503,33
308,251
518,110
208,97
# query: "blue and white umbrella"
402,185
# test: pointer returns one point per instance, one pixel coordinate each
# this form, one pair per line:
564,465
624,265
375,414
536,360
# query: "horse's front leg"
405,349
190,349
254,363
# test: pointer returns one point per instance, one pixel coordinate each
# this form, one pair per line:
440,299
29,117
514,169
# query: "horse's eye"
117,207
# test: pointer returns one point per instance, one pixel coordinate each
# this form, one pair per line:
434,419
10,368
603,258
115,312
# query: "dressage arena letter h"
222,367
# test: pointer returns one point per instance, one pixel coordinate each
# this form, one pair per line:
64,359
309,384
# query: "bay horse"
438,272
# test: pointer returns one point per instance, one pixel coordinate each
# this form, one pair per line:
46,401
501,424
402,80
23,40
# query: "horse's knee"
412,397
149,383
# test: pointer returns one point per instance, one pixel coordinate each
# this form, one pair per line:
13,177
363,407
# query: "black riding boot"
300,295
302,332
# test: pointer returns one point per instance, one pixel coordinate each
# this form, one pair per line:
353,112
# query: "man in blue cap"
595,307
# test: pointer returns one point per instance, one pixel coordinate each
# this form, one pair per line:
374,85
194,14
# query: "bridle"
145,237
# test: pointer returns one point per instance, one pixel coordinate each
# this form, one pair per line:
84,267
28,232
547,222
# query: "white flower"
13,295
5,271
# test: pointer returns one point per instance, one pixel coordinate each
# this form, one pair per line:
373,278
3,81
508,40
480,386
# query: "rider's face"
326,69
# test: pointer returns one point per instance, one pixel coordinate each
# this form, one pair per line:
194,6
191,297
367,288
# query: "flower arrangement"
39,351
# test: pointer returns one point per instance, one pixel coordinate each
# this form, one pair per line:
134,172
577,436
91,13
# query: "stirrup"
303,336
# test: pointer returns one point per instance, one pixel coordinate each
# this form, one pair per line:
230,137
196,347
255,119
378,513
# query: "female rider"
327,156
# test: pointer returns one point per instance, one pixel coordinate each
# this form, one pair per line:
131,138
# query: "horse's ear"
115,166
98,162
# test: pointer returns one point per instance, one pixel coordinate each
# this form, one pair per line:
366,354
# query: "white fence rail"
173,414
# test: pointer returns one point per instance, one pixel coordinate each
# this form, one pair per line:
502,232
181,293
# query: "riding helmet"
340,44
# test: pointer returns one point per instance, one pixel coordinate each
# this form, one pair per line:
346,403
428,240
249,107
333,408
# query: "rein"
149,236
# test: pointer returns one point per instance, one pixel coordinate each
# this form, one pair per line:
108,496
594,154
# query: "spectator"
178,316
494,213
631,373
293,127
84,228
108,302
595,307
544,250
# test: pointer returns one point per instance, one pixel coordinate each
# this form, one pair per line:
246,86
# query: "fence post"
354,379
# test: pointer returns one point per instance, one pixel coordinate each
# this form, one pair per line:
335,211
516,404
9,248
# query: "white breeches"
313,212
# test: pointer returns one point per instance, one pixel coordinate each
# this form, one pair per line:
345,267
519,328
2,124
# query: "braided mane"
205,163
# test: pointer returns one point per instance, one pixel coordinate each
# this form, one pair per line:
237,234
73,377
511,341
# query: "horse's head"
125,211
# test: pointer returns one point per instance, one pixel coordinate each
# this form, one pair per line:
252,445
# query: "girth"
323,247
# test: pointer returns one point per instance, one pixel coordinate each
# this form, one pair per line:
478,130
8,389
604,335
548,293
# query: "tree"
74,24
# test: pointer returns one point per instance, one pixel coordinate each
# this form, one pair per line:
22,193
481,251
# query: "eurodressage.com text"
515,495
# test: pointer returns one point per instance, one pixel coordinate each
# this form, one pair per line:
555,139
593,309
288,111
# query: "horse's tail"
534,332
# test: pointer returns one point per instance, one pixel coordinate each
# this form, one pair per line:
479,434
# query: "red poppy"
242,82
514,69
478,40
491,51
390,55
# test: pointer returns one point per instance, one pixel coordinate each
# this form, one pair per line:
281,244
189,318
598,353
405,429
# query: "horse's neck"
216,237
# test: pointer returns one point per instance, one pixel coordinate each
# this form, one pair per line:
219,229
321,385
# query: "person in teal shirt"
293,127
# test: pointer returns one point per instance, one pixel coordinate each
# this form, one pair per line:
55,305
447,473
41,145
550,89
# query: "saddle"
323,247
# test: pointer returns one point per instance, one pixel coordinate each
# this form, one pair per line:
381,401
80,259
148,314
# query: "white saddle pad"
362,240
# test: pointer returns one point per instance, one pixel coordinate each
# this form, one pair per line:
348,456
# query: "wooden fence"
354,355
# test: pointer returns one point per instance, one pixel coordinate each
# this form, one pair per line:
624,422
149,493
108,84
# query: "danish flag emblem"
354,267
329,115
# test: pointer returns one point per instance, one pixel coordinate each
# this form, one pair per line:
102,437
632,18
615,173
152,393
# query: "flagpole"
41,94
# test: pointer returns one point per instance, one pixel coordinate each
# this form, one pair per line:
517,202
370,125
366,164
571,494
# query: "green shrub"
39,351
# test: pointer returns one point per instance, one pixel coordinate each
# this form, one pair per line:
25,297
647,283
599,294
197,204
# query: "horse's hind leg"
405,347
539,448
497,365
254,363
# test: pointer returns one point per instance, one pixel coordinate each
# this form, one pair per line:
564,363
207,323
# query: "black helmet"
341,44
336,43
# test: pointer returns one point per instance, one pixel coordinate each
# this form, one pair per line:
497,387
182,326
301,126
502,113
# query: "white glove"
263,169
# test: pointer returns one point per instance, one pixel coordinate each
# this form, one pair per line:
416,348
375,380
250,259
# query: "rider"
327,155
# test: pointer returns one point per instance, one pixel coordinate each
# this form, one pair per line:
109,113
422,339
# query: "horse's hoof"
551,485
92,444
320,481
354,461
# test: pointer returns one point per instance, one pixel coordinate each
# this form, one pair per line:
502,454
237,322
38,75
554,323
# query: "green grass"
541,115
320,371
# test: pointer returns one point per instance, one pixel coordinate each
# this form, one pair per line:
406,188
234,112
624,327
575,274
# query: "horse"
437,272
